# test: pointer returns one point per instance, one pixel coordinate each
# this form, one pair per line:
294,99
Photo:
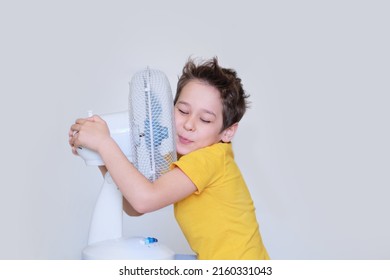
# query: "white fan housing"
145,134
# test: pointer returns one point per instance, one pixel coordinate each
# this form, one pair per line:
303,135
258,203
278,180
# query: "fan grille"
151,123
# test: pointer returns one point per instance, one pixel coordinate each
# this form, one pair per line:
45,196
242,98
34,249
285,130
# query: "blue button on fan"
150,240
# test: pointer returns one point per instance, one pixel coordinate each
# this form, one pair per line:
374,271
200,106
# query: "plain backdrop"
314,146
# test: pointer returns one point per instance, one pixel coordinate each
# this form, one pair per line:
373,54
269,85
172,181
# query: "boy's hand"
89,132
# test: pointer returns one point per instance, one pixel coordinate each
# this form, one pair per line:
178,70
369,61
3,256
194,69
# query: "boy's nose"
189,125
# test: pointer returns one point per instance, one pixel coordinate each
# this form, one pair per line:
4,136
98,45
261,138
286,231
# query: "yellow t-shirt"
218,220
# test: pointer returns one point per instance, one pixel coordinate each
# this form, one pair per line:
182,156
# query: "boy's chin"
183,150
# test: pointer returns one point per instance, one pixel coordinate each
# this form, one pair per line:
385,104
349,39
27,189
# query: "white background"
314,147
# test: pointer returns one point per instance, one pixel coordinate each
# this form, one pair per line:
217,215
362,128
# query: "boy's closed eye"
184,112
207,117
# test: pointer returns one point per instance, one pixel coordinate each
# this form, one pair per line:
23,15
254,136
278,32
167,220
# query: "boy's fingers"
80,121
75,128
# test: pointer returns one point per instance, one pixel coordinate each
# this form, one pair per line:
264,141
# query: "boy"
212,203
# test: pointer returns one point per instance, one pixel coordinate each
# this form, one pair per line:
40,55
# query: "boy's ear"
228,133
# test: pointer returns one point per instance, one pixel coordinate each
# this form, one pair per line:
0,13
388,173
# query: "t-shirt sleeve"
203,167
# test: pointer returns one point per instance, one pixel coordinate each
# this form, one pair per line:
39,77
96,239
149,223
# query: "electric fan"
145,134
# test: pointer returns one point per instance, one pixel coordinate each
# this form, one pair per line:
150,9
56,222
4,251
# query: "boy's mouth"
184,140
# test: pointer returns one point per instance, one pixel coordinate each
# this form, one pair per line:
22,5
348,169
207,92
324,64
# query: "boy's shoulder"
218,153
219,149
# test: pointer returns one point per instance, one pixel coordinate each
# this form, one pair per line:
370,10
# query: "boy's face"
198,117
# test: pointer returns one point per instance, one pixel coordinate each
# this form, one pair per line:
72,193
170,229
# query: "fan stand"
105,240
107,217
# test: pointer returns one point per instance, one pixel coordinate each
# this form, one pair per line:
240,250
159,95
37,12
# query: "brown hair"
233,97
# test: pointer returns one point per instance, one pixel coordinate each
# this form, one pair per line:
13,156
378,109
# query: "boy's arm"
141,194
129,210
